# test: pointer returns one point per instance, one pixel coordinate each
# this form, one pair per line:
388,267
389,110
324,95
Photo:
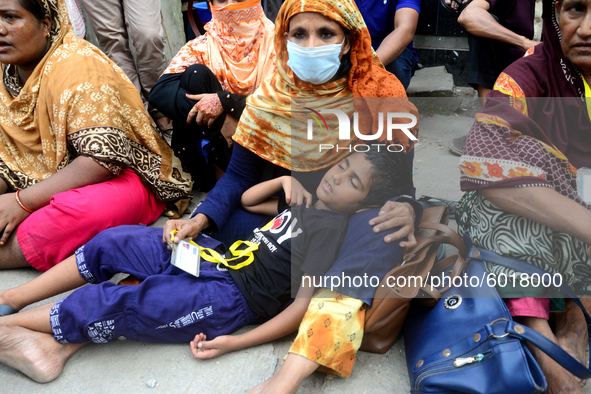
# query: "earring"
48,34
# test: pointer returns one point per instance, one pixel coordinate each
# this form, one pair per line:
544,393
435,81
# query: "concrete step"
431,82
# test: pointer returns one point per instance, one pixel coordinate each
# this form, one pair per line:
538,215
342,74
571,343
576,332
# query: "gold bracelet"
18,199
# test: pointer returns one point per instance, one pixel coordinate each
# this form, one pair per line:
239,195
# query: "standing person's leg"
108,22
403,67
144,25
488,58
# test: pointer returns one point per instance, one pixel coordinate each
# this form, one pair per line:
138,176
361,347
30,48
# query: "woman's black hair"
34,8
346,64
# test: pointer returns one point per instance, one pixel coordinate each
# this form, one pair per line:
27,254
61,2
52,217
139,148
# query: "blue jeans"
403,67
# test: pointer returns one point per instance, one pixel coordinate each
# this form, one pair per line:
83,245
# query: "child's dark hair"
391,176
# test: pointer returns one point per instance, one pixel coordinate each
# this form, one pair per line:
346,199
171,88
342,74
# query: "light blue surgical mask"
316,65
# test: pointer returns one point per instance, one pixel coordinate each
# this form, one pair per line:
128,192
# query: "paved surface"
126,366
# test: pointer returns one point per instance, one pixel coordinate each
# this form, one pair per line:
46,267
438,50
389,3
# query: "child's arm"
259,198
284,323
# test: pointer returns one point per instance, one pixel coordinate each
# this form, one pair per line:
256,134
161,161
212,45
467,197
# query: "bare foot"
559,379
571,332
273,385
35,354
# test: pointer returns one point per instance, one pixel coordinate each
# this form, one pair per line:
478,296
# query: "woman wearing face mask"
204,88
323,55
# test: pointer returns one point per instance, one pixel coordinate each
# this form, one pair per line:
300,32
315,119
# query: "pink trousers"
54,232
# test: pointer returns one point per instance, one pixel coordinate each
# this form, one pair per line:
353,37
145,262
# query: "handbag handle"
456,240
547,346
451,238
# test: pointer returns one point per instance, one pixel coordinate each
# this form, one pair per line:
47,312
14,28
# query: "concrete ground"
126,366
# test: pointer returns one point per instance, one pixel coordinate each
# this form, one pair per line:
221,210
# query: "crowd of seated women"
79,154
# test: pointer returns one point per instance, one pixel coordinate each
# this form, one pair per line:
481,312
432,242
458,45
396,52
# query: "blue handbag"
468,342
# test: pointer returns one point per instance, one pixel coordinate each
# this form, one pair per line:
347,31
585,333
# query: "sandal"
6,310
166,132
461,5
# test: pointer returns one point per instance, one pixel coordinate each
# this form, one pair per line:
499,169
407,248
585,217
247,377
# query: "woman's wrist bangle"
18,199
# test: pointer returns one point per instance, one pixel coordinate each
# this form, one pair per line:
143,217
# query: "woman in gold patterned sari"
78,151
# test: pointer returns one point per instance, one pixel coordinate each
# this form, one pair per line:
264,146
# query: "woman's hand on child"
207,110
202,349
396,214
295,194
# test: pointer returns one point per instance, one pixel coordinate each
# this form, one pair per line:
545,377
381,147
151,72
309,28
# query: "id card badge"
186,257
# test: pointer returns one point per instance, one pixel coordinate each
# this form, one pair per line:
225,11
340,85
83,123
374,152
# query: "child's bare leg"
37,355
290,376
36,319
559,379
62,277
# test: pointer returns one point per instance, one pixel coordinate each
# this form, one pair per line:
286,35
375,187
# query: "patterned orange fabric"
237,47
331,332
78,102
266,126
507,85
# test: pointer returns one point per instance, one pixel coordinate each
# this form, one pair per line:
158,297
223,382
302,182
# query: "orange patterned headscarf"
237,47
265,127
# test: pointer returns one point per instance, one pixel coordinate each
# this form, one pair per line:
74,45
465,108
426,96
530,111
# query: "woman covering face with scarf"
204,88
78,151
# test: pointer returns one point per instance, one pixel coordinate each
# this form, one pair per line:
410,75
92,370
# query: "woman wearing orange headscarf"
204,88
265,137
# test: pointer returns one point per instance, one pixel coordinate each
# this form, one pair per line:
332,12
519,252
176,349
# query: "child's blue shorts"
168,306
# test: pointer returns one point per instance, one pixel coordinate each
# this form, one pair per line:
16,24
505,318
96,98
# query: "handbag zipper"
458,362
450,366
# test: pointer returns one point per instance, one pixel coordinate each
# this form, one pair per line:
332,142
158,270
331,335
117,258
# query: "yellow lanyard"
587,97
212,256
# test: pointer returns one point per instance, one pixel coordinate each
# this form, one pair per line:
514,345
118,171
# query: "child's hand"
203,349
295,194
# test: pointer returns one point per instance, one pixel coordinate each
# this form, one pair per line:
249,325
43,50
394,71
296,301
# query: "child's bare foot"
274,385
37,355
570,328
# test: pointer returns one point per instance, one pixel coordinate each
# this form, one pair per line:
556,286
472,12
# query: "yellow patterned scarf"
78,102
265,127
